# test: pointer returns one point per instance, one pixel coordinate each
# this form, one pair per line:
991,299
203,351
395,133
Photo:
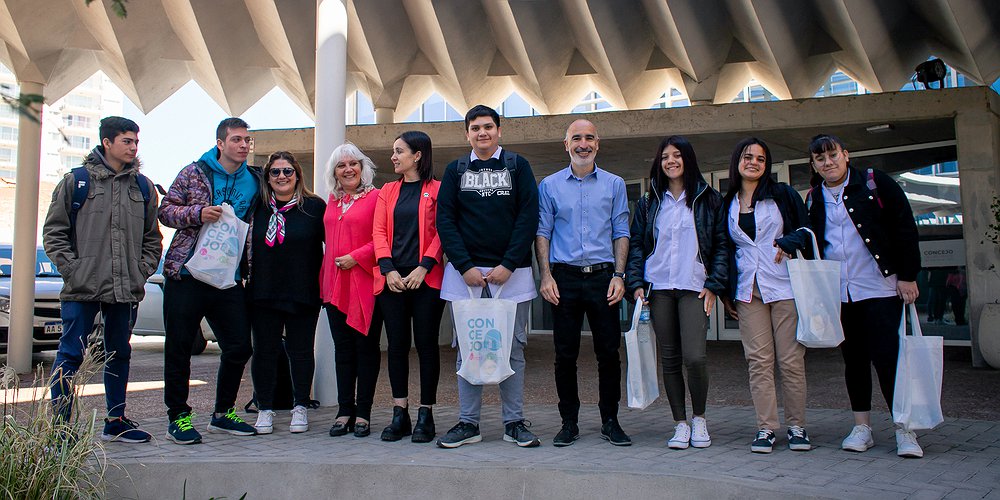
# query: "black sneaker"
798,440
231,423
462,433
569,433
763,442
518,433
613,433
181,431
124,430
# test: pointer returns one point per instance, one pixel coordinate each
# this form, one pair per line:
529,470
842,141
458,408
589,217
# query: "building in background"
69,125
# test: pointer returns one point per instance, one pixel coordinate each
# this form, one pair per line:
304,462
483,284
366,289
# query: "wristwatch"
618,275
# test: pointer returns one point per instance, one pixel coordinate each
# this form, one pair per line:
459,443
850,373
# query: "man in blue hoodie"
220,176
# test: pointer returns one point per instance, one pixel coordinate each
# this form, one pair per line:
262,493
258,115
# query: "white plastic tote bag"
219,250
485,329
642,385
916,400
816,289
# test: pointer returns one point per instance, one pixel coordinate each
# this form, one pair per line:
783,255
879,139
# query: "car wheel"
200,343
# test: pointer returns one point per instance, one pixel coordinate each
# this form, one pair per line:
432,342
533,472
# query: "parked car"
47,323
149,319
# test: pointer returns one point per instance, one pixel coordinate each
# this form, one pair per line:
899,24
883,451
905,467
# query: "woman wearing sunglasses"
286,254
347,284
409,253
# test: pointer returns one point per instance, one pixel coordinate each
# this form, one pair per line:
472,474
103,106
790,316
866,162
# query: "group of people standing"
373,257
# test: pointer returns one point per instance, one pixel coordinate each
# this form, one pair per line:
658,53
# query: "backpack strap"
509,162
873,187
463,165
81,187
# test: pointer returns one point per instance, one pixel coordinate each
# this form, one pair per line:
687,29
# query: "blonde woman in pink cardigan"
346,286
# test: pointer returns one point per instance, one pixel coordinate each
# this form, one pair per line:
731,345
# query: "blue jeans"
78,321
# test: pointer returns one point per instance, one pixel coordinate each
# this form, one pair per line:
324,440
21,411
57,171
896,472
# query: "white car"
149,319
47,323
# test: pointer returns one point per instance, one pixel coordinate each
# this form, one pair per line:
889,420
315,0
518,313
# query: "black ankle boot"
400,425
423,431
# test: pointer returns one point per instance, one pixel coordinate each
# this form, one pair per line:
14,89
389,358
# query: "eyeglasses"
288,171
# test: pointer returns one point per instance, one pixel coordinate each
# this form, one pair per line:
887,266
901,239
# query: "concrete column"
330,131
384,116
22,286
978,136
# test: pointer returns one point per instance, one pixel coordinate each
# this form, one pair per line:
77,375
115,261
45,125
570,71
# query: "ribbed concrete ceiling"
551,52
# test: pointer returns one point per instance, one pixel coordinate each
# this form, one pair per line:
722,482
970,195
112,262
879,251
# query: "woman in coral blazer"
408,280
346,286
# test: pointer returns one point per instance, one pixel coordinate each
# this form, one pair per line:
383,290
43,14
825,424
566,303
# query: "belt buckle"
587,269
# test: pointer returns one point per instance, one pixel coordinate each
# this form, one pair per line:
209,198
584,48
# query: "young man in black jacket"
487,217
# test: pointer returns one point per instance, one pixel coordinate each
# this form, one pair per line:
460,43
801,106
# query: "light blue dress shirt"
582,217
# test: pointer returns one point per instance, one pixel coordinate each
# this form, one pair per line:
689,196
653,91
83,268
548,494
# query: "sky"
182,127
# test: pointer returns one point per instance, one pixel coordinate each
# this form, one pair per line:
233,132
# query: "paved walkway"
962,460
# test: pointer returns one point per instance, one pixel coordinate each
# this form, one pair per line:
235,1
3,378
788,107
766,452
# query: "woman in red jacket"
346,284
409,282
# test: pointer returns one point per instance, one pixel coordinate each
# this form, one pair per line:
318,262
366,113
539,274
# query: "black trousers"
299,331
415,313
871,338
358,361
581,294
185,302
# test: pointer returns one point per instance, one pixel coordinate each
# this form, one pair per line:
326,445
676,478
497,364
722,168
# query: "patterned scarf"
276,224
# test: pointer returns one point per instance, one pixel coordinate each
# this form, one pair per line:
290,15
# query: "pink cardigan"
350,290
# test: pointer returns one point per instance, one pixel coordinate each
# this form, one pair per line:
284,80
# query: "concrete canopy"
552,53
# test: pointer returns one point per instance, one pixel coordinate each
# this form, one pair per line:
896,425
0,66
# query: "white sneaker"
906,444
699,433
300,422
265,422
682,437
860,439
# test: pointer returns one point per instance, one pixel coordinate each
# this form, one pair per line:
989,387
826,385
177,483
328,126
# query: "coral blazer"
350,290
430,242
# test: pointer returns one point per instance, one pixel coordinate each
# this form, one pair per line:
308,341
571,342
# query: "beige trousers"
768,335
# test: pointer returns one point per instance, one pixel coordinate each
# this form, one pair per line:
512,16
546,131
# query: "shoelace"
231,415
857,431
682,429
797,431
764,435
184,422
909,438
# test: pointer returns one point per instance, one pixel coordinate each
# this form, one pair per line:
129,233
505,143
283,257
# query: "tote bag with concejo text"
219,249
484,329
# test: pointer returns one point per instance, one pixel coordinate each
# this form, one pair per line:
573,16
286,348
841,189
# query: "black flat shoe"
341,428
362,429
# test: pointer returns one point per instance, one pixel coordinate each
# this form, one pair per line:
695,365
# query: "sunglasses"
288,171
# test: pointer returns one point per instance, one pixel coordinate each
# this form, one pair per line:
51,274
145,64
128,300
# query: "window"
8,155
71,161
593,102
8,134
79,142
77,121
360,110
515,105
80,101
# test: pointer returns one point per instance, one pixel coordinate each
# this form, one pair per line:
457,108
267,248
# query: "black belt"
583,269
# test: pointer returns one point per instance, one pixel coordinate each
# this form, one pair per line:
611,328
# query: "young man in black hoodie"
487,218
